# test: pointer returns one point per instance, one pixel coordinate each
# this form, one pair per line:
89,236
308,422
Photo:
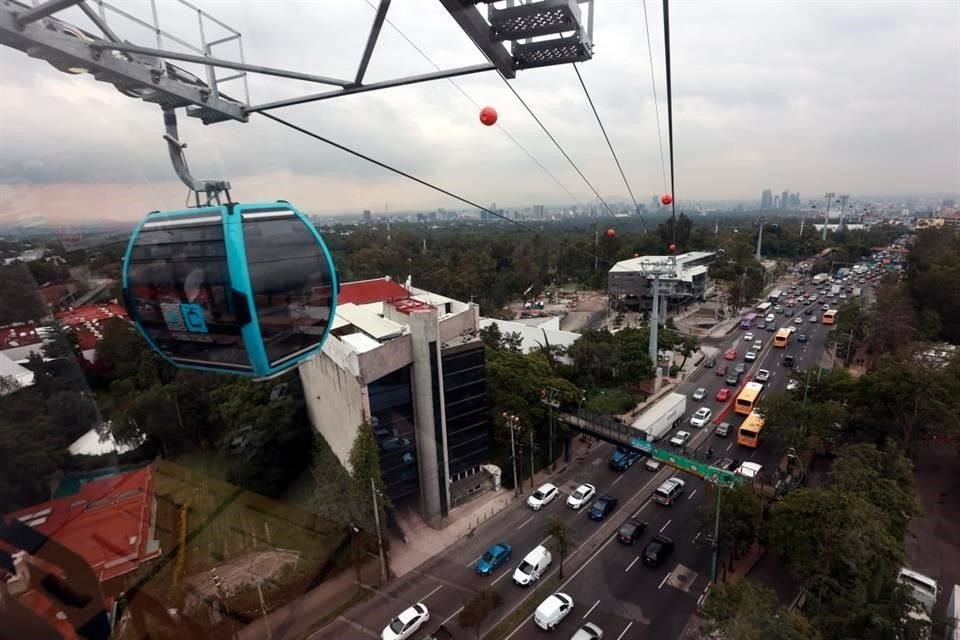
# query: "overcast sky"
853,97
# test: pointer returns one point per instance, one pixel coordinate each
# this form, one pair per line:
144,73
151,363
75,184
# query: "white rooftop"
20,376
370,323
92,443
664,264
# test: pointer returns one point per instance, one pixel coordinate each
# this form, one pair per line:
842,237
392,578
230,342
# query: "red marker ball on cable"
666,199
611,233
488,116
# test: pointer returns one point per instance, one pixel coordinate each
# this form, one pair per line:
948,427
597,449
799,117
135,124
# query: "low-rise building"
407,363
684,279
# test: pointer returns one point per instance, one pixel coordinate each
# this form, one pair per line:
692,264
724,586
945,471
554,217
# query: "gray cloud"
810,96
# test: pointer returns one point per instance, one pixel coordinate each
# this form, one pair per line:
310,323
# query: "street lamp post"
513,423
551,397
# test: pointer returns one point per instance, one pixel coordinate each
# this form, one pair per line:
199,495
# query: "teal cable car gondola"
248,289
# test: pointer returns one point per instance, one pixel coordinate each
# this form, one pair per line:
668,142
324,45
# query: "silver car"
588,631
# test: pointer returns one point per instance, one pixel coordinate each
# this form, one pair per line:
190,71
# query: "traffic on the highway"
640,558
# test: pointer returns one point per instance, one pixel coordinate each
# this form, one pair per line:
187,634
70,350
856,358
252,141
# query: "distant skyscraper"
784,199
776,202
538,212
766,199
796,200
366,216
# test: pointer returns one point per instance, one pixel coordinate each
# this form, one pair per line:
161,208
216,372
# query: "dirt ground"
586,311
933,544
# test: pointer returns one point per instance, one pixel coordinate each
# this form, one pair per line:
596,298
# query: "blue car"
622,458
493,558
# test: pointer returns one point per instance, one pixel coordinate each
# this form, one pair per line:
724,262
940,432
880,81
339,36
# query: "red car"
730,354
723,395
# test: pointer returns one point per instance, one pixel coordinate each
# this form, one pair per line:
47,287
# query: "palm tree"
560,534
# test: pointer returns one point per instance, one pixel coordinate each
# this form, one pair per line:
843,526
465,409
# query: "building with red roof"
110,523
409,363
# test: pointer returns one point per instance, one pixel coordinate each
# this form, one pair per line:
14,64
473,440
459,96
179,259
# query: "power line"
609,144
557,144
477,105
656,102
409,176
666,47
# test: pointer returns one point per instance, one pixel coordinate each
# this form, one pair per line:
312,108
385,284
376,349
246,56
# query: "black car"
808,311
788,313
788,361
657,550
772,327
733,378
802,338
710,363
631,530
602,507
727,464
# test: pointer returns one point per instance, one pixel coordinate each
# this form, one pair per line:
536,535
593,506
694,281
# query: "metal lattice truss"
541,33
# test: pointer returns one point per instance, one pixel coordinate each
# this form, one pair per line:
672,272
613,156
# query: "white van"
923,589
553,610
533,566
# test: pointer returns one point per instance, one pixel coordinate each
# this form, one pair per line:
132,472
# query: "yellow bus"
748,398
782,338
749,432
830,317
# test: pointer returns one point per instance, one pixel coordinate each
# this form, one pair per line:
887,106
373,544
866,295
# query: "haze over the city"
809,97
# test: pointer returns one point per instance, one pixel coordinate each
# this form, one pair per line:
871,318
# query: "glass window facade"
391,408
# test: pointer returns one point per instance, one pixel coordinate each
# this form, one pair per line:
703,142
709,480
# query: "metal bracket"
211,188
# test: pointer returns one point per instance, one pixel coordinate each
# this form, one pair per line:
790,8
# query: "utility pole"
551,397
513,423
826,213
376,519
843,209
716,538
760,241
532,469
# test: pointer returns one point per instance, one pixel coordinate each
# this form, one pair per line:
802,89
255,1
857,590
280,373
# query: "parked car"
762,376
493,558
552,611
407,623
700,393
723,394
631,530
722,430
602,507
701,417
657,550
581,496
542,496
680,439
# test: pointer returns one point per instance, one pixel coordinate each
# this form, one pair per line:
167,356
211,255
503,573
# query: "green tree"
743,610
365,467
740,512
559,535
478,608
18,293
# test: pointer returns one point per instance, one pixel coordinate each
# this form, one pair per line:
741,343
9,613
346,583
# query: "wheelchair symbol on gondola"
193,318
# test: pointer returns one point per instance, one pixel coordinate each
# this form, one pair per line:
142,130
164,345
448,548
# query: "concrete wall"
456,324
389,357
336,401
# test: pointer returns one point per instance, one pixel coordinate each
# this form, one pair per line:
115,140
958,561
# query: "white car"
700,393
813,319
762,375
542,496
680,439
748,336
588,631
406,624
552,611
799,320
701,417
793,329
749,470
792,385
581,496
750,356
757,345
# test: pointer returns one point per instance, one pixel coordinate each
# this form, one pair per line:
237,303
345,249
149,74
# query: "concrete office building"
683,280
407,363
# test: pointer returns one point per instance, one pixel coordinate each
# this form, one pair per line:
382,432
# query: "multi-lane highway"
609,584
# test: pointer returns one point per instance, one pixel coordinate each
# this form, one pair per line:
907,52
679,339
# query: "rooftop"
375,290
662,264
110,523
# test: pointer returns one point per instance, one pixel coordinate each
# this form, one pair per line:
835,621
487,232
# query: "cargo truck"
657,420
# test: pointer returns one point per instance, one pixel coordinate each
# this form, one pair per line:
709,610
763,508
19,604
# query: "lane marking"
620,477
452,616
729,446
474,561
501,577
630,566
696,537
665,526
431,593
590,610
525,522
664,581
624,632
692,493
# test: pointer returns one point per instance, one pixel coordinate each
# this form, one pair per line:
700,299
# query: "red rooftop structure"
376,290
